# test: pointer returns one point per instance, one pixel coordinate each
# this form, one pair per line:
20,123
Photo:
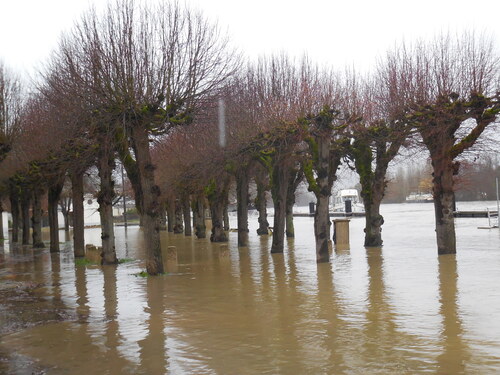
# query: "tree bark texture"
25,215
242,184
186,213
163,217
78,214
261,205
105,197
279,188
150,204
200,229
53,201
444,197
37,218
218,202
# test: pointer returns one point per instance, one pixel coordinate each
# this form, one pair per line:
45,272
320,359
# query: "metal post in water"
222,124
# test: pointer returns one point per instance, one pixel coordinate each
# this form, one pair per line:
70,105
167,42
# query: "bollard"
341,233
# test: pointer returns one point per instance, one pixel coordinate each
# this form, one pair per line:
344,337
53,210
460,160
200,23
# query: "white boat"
419,198
345,195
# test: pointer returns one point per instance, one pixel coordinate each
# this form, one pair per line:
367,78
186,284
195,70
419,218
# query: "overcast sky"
332,32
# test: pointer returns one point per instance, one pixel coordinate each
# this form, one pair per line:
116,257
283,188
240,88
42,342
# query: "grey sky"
331,32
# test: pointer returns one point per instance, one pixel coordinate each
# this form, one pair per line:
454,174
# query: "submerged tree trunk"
186,213
37,219
150,205
322,228
78,214
170,215
242,183
261,206
14,208
279,188
25,215
200,229
444,196
53,201
178,225
105,200
218,202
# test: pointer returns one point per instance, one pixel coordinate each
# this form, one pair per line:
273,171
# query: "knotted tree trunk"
200,228
444,196
217,197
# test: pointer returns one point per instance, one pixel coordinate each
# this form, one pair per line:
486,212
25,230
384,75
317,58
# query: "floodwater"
222,309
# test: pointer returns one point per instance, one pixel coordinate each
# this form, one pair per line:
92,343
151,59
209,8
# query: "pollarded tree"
377,129
149,65
453,95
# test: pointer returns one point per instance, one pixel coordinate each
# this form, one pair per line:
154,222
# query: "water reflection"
455,352
230,310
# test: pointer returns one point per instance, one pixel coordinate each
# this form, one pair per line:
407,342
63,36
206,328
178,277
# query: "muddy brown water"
222,309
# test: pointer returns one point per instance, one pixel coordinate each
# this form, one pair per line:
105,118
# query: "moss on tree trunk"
37,219
78,214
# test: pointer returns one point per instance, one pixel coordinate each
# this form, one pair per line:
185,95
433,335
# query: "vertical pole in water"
498,206
124,201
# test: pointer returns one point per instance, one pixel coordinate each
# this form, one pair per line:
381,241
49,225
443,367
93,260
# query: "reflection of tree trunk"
25,214
78,214
153,357
53,201
105,200
242,183
14,209
179,225
279,189
455,353
37,219
150,194
261,205
199,216
186,213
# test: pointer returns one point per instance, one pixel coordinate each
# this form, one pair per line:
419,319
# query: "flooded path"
223,310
